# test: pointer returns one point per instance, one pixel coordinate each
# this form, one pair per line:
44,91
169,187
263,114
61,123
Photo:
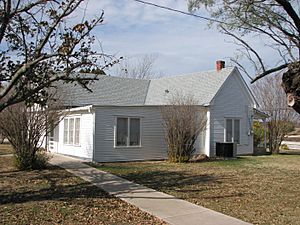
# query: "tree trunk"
276,148
291,85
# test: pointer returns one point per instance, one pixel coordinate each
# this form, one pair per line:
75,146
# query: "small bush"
27,162
284,147
258,136
26,128
41,161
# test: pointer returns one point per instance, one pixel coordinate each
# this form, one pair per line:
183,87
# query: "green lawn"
260,190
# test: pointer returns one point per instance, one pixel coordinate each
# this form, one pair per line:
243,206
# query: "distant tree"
272,101
138,68
183,120
276,23
93,71
39,47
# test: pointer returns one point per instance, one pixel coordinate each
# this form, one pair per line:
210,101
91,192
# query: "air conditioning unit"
226,149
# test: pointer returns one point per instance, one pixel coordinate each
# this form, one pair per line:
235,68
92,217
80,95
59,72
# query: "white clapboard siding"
232,101
85,148
153,145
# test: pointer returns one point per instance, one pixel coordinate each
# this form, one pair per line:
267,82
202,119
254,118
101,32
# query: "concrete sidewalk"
166,207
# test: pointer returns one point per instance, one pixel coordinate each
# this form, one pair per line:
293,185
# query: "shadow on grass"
182,184
134,181
59,184
160,179
169,179
56,188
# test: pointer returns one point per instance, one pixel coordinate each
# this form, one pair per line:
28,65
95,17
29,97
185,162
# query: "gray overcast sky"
183,44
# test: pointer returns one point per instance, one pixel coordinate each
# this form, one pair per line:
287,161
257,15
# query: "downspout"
207,135
265,133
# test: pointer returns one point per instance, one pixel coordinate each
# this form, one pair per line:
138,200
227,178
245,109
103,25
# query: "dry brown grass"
260,190
54,196
5,149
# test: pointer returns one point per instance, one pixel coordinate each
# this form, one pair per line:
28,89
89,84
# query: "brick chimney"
220,64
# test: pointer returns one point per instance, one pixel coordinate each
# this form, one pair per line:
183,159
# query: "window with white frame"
128,132
232,130
77,131
72,131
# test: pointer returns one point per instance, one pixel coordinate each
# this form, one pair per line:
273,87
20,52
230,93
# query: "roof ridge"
193,73
127,78
110,76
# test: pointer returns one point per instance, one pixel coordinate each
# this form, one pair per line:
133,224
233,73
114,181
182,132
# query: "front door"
53,140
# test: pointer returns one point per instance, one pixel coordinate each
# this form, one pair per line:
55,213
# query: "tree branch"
14,99
246,45
25,67
8,13
267,72
67,11
290,11
5,19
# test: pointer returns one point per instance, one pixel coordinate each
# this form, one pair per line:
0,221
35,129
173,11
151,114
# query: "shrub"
284,147
183,120
26,162
258,136
26,128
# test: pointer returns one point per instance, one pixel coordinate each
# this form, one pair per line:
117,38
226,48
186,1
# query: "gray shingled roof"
118,91
107,91
202,86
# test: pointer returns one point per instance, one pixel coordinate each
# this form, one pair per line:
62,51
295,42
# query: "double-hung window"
128,132
72,131
232,130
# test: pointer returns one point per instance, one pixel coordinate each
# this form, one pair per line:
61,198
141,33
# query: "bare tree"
273,102
26,128
2,138
39,46
138,68
183,120
276,23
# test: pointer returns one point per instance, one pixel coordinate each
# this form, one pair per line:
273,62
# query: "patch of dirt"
54,196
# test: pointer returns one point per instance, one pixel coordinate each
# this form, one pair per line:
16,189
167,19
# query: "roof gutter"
81,108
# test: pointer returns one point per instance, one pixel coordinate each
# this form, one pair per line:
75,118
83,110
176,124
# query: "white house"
121,119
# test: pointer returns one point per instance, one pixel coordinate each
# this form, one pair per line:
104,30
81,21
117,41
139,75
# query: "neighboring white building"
121,119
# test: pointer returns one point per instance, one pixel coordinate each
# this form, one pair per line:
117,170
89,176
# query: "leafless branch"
267,72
